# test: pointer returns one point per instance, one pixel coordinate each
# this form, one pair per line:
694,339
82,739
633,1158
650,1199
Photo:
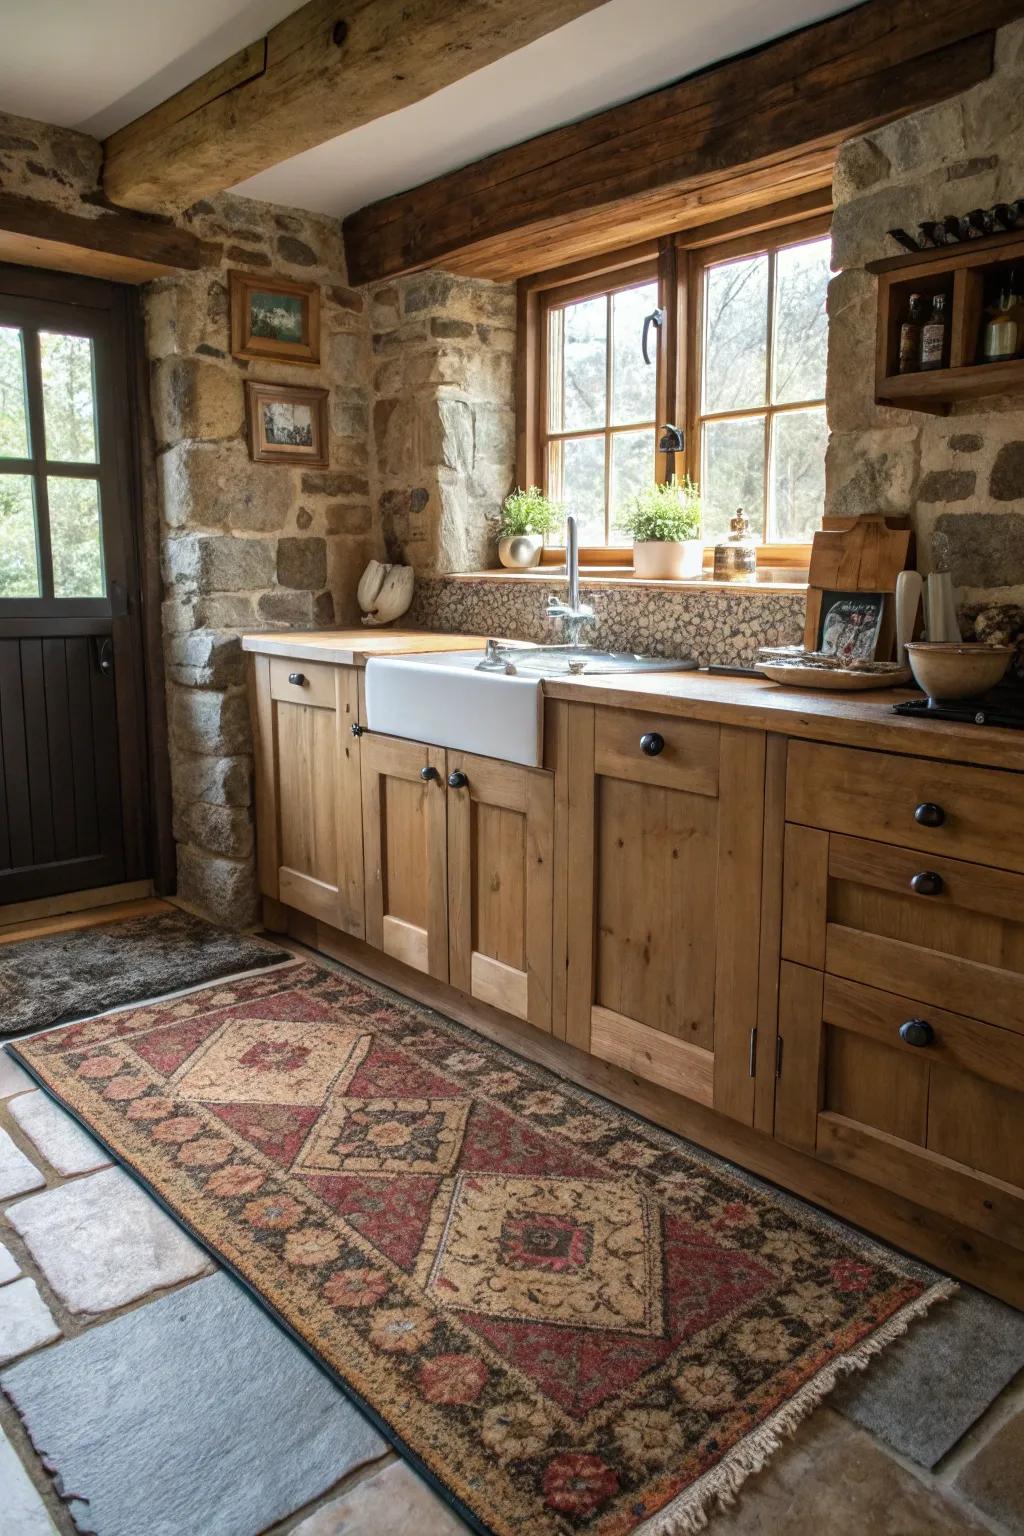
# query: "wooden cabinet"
307,788
665,832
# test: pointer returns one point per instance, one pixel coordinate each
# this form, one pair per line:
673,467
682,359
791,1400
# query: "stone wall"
443,417
961,476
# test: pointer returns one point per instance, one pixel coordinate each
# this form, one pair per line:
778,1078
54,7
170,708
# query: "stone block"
296,252
384,307
860,164
209,722
993,1479
215,485
205,658
394,433
446,434
224,611
194,399
222,829
19,1499
494,435
17,1173
928,140
425,291
349,419
13,1079
965,442
210,562
10,1269
61,1140
217,780
393,1502
302,563
26,1321
334,482
348,299
303,610
224,889
348,517
871,472
947,485
980,549
1006,482
187,314
346,359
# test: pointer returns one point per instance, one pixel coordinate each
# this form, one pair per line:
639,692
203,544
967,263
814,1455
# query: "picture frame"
287,424
855,625
274,319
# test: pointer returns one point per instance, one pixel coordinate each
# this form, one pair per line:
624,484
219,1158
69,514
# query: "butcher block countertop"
848,719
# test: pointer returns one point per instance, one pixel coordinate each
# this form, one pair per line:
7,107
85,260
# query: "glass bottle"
736,558
933,335
910,335
1002,331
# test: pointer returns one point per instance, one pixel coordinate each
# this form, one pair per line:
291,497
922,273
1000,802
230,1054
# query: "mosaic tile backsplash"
719,627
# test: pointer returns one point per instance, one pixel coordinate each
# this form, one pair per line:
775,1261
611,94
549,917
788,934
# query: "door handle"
104,652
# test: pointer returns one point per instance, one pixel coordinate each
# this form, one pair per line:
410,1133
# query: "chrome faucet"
573,614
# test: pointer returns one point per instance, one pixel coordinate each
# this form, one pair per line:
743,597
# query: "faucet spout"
573,613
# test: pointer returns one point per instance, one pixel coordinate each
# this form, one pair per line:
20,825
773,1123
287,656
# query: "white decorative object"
909,590
520,551
664,560
940,610
384,592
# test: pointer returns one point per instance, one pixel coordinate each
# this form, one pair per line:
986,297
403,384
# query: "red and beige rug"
572,1321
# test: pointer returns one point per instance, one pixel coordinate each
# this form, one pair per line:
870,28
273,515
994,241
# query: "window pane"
13,415
68,400
798,475
732,474
735,334
633,467
577,475
584,351
801,325
19,561
634,382
75,537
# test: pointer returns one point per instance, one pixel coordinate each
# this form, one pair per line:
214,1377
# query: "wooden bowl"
948,671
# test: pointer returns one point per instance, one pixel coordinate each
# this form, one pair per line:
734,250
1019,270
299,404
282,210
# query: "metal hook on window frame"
657,319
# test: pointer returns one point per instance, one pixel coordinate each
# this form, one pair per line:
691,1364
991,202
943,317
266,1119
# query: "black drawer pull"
927,883
651,743
457,779
297,678
916,1032
357,729
928,814
428,773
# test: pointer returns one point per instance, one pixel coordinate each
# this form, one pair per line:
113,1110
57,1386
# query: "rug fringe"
688,1514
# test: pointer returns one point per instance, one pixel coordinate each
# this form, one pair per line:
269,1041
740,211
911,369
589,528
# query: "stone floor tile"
833,1478
10,1269
102,1241
24,1511
25,1319
393,1502
13,1079
17,1174
994,1478
61,1140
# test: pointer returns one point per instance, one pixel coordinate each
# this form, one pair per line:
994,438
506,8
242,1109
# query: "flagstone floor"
81,1246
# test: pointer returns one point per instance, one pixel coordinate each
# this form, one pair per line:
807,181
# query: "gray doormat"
194,1414
923,1394
65,976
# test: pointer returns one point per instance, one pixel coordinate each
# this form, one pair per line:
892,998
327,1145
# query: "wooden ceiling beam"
115,246
734,136
331,66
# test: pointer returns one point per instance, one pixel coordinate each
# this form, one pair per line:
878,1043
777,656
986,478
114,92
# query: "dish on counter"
794,667
948,670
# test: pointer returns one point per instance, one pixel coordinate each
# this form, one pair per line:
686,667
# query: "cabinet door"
308,818
501,884
405,851
664,888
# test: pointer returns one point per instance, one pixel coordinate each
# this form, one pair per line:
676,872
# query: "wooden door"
74,803
308,813
501,884
664,889
902,1022
405,851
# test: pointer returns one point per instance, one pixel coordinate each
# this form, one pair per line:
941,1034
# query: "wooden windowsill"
624,576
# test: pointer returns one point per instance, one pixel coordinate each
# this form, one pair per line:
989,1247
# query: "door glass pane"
801,325
735,334
69,406
732,474
13,414
19,559
584,344
634,382
632,468
75,537
577,476
798,475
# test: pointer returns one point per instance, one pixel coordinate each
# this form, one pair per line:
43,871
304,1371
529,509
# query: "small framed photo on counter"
274,319
856,626
287,424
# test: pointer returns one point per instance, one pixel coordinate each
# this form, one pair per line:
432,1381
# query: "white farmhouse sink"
442,699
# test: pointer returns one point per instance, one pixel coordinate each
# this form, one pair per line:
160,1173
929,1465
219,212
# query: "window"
736,335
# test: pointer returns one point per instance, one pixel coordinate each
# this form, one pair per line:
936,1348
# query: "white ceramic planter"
521,552
658,560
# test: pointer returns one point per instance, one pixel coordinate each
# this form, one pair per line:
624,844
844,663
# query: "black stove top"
1002,706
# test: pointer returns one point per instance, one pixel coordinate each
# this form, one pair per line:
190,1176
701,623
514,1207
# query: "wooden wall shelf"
960,272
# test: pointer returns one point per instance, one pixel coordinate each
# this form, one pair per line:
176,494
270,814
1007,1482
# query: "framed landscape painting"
272,317
287,424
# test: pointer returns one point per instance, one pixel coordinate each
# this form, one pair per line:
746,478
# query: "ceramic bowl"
946,670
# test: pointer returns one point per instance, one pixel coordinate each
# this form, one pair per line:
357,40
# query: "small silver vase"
521,551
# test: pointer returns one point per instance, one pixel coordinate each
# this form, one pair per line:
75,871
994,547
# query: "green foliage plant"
669,513
528,511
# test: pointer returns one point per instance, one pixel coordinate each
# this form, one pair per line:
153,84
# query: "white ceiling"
97,65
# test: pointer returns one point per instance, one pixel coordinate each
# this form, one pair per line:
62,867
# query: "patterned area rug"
569,1319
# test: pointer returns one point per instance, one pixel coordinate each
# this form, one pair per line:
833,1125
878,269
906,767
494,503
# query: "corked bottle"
910,335
933,335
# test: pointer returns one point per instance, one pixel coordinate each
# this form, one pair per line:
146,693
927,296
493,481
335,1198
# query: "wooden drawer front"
875,795
687,760
318,682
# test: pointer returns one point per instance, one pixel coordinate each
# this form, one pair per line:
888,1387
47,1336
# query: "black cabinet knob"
651,743
928,814
916,1032
457,779
357,729
297,678
926,883
428,773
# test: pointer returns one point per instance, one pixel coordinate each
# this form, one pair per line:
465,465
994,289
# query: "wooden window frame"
679,261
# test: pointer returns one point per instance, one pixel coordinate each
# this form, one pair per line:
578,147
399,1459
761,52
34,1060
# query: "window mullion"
768,397
609,343
34,391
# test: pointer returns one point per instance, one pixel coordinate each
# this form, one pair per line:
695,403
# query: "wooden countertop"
352,647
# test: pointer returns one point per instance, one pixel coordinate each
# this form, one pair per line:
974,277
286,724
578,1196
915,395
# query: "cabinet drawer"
685,752
303,682
969,813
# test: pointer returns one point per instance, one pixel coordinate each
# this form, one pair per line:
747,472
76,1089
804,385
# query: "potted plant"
525,518
664,521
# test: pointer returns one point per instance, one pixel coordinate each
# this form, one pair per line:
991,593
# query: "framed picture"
855,625
274,318
287,424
